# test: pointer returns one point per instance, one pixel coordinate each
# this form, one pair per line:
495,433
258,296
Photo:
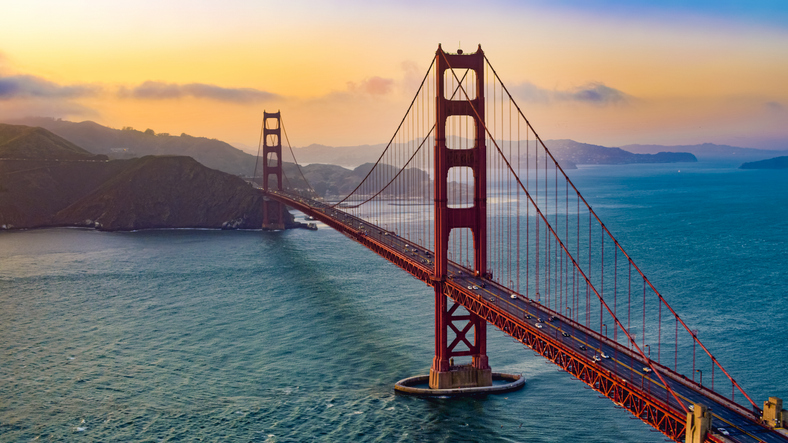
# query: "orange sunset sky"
343,72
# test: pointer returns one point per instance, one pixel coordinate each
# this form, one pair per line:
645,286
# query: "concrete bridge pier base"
460,376
698,424
276,223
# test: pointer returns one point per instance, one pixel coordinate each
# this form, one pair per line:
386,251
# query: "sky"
609,72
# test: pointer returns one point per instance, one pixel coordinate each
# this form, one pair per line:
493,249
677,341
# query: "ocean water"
300,336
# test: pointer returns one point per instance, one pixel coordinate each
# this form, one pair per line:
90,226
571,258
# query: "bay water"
189,335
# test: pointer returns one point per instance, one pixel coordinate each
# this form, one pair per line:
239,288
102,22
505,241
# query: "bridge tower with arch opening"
470,104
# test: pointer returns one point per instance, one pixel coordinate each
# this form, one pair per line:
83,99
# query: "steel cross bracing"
620,378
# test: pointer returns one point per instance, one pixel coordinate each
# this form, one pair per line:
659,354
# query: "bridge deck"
578,350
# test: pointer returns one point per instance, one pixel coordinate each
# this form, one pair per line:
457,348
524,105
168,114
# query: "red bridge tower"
444,374
272,165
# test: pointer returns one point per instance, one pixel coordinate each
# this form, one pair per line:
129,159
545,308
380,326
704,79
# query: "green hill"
129,142
47,181
167,192
24,142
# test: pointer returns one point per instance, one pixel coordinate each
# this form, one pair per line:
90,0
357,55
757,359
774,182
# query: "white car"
538,325
647,370
596,358
604,355
513,296
723,431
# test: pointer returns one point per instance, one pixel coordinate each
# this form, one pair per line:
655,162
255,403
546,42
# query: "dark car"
565,334
583,348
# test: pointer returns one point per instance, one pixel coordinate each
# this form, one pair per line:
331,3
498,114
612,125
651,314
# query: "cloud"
595,93
412,76
39,107
774,107
591,93
28,86
529,92
151,90
372,86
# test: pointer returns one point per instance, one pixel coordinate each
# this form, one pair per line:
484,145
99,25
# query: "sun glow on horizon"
342,72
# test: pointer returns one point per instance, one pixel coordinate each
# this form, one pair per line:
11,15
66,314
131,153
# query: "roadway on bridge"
726,420
735,425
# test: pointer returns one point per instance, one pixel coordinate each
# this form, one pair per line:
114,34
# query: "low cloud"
595,93
591,93
46,107
372,86
529,92
151,90
774,107
28,86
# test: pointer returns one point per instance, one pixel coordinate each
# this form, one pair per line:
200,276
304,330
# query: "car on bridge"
538,325
604,355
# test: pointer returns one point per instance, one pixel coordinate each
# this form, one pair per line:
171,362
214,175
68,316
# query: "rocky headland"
47,181
770,163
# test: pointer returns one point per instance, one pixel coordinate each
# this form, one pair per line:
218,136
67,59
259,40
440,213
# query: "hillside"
49,186
332,181
167,192
771,163
588,154
24,142
568,152
346,156
128,142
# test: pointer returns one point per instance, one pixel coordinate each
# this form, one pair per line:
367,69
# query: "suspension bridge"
467,198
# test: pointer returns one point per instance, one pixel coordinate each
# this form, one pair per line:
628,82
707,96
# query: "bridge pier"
444,374
273,215
774,415
698,424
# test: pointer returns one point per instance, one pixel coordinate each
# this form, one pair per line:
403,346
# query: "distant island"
47,181
771,163
711,151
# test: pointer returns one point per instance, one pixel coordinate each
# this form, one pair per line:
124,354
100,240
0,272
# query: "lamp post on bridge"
701,376
570,312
